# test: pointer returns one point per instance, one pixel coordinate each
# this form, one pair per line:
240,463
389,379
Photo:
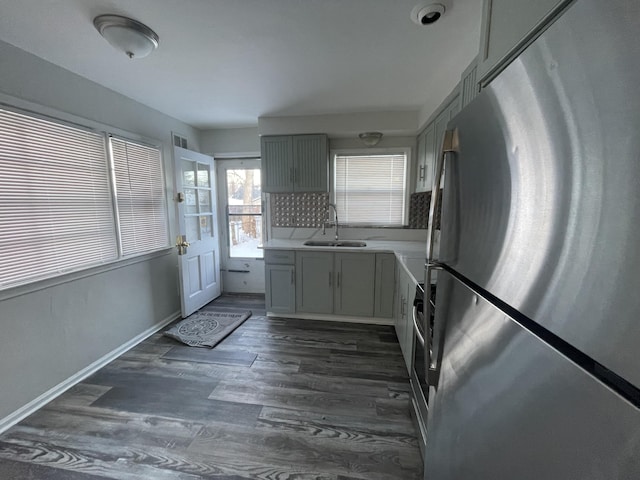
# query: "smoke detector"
426,14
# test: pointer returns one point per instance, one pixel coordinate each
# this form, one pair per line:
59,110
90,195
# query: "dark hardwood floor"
278,399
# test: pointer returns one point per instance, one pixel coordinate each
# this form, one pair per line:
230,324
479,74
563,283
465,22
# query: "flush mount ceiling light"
370,139
133,38
426,14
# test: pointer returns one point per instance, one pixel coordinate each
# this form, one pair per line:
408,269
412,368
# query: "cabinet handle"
338,279
292,278
330,275
401,305
422,169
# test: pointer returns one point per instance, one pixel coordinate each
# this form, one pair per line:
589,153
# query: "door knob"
182,244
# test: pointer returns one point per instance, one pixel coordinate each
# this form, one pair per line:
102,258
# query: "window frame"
49,114
366,151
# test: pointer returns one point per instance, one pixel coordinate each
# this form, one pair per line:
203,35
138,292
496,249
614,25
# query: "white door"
240,200
198,243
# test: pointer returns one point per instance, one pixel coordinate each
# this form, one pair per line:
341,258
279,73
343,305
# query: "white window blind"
370,189
140,196
56,211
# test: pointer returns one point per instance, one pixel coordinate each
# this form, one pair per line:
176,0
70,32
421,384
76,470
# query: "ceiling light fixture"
133,38
370,139
426,14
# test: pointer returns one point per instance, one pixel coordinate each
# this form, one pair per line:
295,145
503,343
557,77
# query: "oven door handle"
433,369
416,329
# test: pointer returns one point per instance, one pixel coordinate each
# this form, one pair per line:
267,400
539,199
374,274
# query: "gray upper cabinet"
469,86
311,163
277,164
295,163
508,26
425,154
430,144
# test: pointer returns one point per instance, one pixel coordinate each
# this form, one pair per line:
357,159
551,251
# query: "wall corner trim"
39,402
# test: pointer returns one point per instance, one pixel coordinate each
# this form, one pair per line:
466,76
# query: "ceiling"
224,63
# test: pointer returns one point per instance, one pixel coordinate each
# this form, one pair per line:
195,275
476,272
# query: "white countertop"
410,254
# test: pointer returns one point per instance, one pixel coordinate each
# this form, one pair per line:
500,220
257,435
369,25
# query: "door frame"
240,275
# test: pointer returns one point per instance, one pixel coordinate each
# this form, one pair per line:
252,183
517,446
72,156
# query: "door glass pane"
191,224
190,205
188,174
205,226
204,197
245,212
203,176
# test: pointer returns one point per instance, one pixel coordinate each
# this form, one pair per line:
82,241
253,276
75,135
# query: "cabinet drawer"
279,257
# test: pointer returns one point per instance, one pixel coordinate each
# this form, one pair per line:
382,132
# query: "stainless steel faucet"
336,219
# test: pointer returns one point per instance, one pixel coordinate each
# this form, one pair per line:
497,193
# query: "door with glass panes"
198,243
240,208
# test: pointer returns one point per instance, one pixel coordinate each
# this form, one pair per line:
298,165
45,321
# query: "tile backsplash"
419,210
299,209
310,209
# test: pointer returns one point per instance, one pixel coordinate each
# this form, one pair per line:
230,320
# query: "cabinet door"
421,171
314,282
429,156
401,305
470,87
311,163
506,25
277,164
355,283
454,107
385,285
440,126
280,288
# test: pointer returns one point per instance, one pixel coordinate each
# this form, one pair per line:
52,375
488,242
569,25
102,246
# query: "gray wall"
51,333
230,141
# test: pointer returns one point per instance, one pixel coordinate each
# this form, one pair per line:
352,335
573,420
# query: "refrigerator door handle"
449,145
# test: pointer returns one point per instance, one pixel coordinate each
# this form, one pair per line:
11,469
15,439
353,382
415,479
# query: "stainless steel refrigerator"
535,357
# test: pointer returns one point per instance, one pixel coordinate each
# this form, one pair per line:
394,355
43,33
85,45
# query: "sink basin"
350,243
334,243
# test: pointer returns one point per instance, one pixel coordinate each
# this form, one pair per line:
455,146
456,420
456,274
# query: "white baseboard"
334,318
26,410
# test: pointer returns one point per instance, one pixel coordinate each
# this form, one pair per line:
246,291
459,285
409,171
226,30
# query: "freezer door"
542,200
510,407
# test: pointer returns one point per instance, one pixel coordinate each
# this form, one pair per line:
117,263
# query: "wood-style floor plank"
278,399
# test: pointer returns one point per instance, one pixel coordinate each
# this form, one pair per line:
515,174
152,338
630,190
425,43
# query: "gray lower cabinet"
385,285
340,283
355,284
280,285
314,282
403,319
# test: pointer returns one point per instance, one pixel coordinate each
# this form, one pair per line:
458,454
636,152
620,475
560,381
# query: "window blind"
140,196
370,189
56,211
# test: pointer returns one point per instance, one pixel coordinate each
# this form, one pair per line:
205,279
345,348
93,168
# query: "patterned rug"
206,329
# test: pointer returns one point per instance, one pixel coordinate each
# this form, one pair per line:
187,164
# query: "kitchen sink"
335,243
